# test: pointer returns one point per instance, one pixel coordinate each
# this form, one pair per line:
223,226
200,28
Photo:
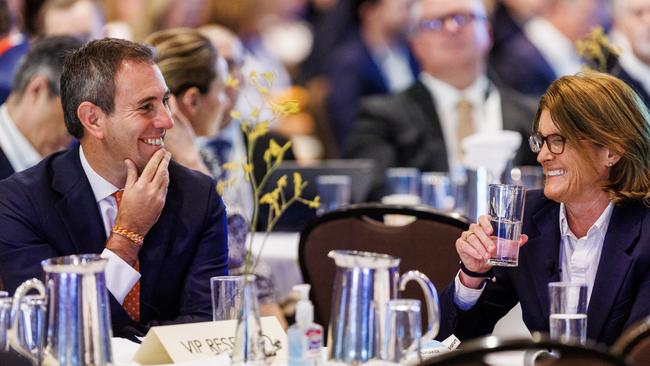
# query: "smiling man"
161,226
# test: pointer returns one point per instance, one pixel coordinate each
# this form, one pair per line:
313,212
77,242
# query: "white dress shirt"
579,258
120,276
394,65
486,110
554,46
18,150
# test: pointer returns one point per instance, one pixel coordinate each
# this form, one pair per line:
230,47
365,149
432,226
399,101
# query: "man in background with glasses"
423,126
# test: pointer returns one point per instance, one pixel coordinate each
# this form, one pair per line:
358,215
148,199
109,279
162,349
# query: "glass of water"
506,210
334,192
568,319
403,332
5,320
226,297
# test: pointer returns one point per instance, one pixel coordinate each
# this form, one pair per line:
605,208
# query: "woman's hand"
475,247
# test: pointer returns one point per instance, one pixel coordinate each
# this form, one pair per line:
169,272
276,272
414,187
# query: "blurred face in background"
576,18
449,34
393,14
633,20
83,19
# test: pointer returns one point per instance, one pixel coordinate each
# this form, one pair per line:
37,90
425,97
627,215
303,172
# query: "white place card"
194,341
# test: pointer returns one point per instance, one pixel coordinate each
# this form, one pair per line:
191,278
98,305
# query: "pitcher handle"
431,297
21,291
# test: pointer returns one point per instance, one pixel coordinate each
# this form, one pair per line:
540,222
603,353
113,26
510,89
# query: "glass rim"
567,284
227,278
515,187
333,179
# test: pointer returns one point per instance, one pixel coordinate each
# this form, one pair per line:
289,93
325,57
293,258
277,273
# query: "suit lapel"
622,233
543,252
77,207
5,166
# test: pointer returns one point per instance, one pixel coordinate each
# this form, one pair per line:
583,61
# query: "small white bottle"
305,337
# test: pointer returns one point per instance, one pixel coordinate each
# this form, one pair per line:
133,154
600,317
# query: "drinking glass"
506,210
403,331
226,297
334,192
31,324
436,191
403,182
5,320
568,319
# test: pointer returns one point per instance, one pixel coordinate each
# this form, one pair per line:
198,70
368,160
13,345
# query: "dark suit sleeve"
372,138
21,246
497,299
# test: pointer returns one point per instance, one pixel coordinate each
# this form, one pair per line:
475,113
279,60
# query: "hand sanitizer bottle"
305,337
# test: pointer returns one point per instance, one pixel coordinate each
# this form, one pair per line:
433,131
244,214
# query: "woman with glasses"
591,223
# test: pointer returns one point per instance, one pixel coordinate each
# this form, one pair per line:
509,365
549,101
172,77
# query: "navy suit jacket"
49,210
621,290
5,167
518,64
634,84
353,73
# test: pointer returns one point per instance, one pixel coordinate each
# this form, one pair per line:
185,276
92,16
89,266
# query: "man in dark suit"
418,127
545,49
13,46
31,120
373,59
161,226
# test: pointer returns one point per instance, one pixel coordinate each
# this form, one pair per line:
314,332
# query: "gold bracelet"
131,235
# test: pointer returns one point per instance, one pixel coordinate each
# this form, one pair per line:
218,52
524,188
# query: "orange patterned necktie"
131,302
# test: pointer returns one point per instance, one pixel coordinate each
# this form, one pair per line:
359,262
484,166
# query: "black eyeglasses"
440,23
554,142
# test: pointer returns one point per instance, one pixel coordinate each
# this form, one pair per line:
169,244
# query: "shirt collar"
600,226
100,186
18,150
446,94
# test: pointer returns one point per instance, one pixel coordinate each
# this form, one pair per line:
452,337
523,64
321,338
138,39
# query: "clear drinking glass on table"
226,294
506,211
5,320
568,319
334,192
436,191
403,332
403,184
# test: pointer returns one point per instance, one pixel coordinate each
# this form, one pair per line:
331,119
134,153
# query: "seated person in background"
79,18
632,34
422,127
195,74
161,226
31,121
13,46
592,134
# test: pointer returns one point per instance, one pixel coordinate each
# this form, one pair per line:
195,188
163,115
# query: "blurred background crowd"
401,82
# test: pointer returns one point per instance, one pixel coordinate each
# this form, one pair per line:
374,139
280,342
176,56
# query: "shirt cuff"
464,297
120,276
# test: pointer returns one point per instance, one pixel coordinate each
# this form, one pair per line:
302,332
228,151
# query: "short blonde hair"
606,111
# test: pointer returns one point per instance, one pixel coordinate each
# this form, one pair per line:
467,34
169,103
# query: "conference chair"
538,351
634,343
427,244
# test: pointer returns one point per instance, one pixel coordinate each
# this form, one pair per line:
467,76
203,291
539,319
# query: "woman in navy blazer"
591,222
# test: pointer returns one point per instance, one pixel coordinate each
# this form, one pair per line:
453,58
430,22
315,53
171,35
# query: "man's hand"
475,247
144,196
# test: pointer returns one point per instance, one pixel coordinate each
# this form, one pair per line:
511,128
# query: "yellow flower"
232,82
259,129
231,165
255,113
221,185
282,182
235,114
263,90
285,108
297,184
315,203
269,76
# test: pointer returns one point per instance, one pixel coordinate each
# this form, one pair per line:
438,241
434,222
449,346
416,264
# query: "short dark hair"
45,57
89,75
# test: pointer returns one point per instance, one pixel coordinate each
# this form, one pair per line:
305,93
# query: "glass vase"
249,343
